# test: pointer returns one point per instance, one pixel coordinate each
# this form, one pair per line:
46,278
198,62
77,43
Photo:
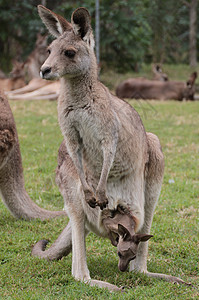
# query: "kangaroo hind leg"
153,181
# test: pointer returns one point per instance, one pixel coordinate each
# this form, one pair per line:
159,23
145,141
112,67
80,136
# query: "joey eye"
70,53
119,254
134,257
48,51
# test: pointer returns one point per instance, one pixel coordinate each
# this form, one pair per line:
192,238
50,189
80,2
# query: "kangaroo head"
128,245
17,70
190,87
71,54
159,75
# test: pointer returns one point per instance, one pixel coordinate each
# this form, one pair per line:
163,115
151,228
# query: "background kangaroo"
107,158
158,73
141,88
12,189
16,80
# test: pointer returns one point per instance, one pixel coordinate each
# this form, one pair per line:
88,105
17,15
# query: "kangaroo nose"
45,72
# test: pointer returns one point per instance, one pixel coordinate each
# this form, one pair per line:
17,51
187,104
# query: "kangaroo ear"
192,79
137,238
114,239
123,231
55,24
81,22
158,68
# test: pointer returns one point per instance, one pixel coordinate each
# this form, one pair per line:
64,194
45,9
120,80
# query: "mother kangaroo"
112,161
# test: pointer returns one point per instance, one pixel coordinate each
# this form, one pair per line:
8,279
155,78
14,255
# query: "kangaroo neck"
80,90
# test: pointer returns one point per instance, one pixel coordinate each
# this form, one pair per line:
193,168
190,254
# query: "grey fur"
12,187
107,159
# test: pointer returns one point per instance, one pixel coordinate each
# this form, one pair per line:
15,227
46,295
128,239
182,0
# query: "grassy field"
174,248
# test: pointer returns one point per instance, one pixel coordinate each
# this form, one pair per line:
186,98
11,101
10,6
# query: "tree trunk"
192,34
97,30
43,2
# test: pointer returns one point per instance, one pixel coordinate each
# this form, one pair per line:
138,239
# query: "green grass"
174,248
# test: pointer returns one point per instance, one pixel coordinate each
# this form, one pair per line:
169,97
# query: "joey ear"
137,238
55,24
81,22
114,240
123,231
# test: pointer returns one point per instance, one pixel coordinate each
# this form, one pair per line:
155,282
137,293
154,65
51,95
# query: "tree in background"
125,34
132,31
19,25
192,32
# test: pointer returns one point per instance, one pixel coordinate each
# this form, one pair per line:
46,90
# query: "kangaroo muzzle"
45,72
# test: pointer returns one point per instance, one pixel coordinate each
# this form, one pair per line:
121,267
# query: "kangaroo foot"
103,284
168,278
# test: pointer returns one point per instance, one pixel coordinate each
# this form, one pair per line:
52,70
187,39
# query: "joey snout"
123,265
126,253
127,246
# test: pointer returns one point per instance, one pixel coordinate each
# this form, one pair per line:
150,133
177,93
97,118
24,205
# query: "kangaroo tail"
61,247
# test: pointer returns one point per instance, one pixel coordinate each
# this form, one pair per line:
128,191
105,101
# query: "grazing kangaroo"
107,159
12,189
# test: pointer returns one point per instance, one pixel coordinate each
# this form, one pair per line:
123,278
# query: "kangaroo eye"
119,254
69,53
48,51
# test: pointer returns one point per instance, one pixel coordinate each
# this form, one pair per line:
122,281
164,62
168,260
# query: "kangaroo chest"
88,129
79,126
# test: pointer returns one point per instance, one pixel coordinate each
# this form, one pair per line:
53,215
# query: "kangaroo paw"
90,198
101,200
